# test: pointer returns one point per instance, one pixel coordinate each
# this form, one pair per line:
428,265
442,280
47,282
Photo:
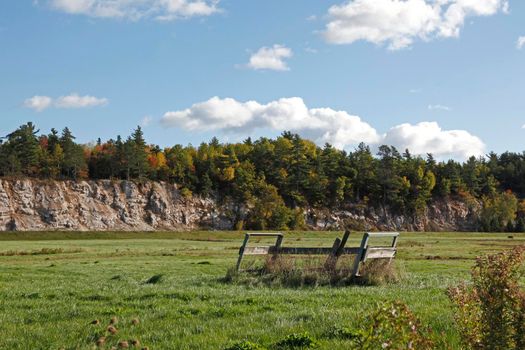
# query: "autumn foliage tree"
275,180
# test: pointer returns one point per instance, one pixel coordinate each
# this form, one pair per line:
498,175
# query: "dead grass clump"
110,339
314,271
112,330
42,251
380,272
123,344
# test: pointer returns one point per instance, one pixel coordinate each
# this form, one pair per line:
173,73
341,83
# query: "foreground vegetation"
54,285
276,178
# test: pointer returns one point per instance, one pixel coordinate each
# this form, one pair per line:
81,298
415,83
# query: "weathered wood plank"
380,253
382,234
257,250
266,234
311,250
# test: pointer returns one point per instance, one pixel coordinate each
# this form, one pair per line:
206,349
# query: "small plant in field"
245,345
391,326
297,341
490,312
342,333
155,279
110,338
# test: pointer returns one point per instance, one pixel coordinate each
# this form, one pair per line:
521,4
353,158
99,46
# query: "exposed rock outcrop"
103,205
444,215
33,205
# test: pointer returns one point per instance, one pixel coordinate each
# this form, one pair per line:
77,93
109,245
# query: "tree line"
277,178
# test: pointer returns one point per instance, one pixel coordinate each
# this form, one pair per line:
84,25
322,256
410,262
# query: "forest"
278,178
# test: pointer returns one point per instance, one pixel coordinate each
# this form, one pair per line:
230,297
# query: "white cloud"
520,43
146,121
321,125
137,9
398,23
271,58
428,137
38,103
439,107
77,101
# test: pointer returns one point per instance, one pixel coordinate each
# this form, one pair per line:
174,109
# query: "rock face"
37,205
103,205
444,215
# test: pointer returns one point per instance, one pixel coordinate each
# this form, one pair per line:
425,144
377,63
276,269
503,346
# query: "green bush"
391,326
490,312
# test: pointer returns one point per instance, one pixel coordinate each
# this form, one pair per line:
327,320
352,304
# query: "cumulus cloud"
520,43
40,103
322,125
428,137
77,101
271,58
397,23
137,9
439,107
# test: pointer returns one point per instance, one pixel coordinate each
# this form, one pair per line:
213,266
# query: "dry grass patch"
42,251
313,271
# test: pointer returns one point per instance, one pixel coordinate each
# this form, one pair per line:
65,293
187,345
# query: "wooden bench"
364,252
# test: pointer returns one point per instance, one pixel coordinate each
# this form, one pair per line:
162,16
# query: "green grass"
172,283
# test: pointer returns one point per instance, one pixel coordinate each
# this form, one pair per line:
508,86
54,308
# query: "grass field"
52,285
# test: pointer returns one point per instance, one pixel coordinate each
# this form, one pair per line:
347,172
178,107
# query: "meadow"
53,285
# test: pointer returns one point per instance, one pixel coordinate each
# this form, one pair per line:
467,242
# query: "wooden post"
337,250
394,245
331,261
360,254
241,250
343,243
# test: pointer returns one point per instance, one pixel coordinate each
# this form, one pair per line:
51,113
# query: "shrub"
343,333
392,326
297,341
490,312
186,193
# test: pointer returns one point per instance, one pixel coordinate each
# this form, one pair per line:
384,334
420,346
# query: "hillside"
36,205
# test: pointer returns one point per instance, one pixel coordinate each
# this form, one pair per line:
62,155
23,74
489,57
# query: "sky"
439,76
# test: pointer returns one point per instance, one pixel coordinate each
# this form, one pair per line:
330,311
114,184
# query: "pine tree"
73,155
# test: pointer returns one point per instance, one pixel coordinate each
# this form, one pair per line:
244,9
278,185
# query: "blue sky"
441,76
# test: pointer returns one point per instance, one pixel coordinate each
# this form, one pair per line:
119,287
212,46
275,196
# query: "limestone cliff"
102,205
33,205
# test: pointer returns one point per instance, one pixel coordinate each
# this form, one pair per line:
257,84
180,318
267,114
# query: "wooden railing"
362,253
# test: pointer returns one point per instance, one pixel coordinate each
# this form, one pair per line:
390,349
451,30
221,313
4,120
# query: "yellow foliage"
228,174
